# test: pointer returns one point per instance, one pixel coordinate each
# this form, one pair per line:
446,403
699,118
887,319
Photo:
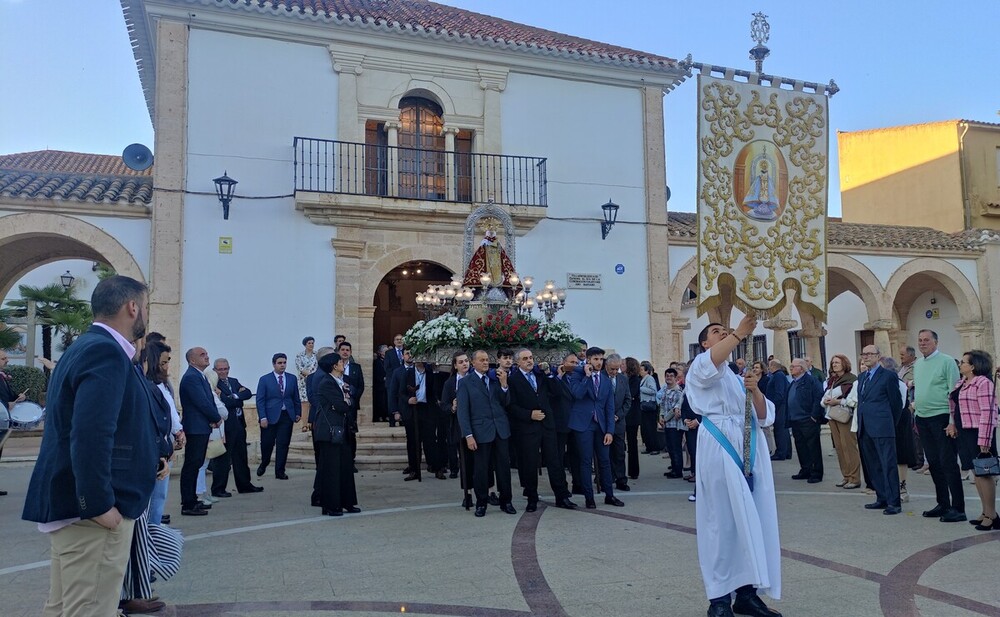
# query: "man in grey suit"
484,424
622,398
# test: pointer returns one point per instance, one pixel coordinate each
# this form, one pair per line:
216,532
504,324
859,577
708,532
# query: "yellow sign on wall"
226,245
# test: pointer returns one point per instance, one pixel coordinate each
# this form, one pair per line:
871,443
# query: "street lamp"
224,189
67,280
610,218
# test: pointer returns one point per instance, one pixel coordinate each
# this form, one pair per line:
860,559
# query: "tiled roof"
76,176
422,16
859,235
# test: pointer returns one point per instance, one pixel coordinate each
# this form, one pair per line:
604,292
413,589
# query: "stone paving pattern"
415,550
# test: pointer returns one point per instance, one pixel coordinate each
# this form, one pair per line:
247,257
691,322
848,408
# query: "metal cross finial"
760,32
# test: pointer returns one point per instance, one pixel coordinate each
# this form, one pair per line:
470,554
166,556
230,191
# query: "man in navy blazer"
484,424
354,377
592,420
880,404
805,414
232,394
98,460
200,416
278,408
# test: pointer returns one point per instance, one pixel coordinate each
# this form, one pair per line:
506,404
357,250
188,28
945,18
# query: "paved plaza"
413,549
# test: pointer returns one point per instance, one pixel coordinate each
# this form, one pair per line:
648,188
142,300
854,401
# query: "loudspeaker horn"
137,157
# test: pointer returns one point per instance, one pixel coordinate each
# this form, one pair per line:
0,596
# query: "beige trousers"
846,443
88,568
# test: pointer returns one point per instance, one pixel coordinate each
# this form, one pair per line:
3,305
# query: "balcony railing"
326,166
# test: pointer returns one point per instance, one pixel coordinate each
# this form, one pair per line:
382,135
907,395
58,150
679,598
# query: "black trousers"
691,442
442,437
808,448
572,459
497,453
219,466
456,447
194,458
618,457
236,445
941,452
278,434
650,438
632,444
528,445
420,426
880,452
335,476
554,454
672,437
782,442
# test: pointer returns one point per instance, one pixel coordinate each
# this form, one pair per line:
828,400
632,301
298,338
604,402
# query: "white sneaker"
206,498
691,498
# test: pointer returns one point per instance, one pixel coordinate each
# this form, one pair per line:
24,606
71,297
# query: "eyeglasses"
869,353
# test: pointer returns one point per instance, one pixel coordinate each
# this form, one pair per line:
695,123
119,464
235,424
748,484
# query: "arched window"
421,149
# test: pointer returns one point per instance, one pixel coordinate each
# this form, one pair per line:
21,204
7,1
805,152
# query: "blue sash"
728,447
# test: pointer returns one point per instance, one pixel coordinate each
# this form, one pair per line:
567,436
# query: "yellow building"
944,175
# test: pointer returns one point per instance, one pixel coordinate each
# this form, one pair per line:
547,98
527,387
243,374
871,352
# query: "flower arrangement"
495,330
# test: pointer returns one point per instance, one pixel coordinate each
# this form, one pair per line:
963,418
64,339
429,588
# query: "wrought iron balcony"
326,166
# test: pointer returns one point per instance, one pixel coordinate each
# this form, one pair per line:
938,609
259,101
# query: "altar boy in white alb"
737,519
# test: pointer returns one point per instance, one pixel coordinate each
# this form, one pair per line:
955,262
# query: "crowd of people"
99,487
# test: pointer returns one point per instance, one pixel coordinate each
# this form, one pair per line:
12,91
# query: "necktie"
597,393
281,384
534,384
399,354
486,382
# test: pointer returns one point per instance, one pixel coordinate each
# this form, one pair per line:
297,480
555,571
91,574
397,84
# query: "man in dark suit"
532,420
311,384
278,408
484,424
98,460
562,403
380,405
806,416
592,419
449,406
622,398
393,359
777,393
880,404
233,394
416,402
354,377
200,416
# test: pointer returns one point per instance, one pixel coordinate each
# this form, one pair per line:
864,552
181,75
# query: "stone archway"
853,276
29,240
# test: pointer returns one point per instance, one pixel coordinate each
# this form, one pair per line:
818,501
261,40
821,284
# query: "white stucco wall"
592,136
133,234
949,341
277,285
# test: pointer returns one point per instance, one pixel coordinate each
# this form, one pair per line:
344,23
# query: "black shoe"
614,501
480,511
467,502
720,609
334,512
622,486
493,499
252,489
407,471
3,493
876,505
635,477
281,476
672,474
201,505
165,519
411,477
196,511
531,507
352,510
440,475
453,475
815,480
260,470
565,503
800,476
591,504
934,512
508,508
951,515
892,510
223,494
752,605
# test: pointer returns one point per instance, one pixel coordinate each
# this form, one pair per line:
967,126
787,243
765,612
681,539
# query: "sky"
68,79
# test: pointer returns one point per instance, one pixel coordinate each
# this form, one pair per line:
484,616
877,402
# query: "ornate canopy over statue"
492,257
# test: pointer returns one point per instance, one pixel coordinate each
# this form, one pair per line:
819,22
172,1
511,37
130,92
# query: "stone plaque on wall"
579,280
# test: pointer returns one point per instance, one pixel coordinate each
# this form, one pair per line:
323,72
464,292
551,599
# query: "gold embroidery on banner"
772,252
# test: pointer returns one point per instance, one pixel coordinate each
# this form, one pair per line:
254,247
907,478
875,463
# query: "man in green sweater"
934,377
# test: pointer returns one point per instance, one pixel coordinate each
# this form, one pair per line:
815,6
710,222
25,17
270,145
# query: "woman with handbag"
838,386
334,464
974,409
648,409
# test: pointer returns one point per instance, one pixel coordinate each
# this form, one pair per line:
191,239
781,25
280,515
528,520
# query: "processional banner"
762,191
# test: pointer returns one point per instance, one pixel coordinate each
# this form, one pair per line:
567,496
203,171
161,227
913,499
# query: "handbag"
337,431
986,464
647,406
839,413
216,446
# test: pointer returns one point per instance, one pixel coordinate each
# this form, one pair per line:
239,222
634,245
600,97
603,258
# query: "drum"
26,416
4,425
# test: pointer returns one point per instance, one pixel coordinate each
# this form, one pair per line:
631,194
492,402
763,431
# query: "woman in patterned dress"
305,364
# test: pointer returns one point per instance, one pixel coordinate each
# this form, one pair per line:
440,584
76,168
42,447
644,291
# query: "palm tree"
9,337
49,300
71,324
